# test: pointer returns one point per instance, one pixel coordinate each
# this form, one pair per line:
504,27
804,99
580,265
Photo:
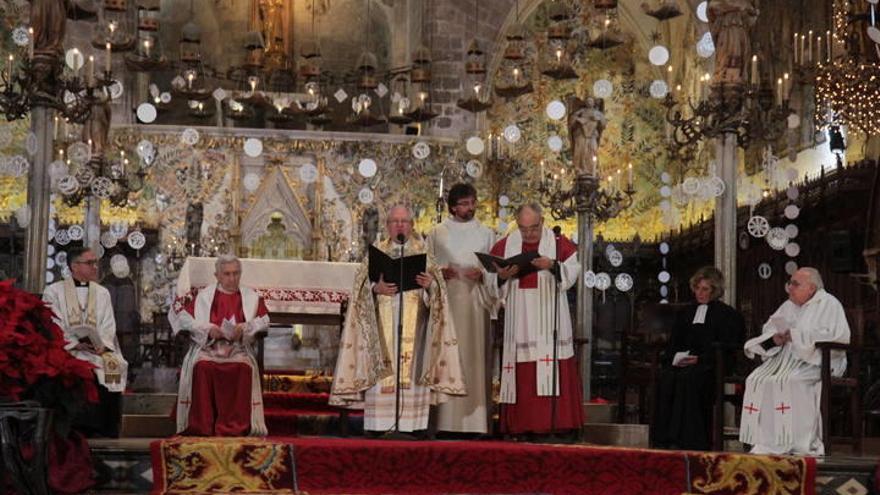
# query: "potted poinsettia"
34,366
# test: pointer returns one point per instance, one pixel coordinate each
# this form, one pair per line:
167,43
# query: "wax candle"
794,48
90,73
755,70
30,42
828,45
109,50
630,181
779,91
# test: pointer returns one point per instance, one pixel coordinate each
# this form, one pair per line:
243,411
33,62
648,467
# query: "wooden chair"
734,375
849,383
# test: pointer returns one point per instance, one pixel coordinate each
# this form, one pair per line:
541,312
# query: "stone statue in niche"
49,20
585,125
194,215
97,126
730,22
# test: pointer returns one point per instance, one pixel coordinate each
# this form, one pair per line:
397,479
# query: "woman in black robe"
686,389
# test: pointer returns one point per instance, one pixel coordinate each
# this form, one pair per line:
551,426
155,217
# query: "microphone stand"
554,398
395,434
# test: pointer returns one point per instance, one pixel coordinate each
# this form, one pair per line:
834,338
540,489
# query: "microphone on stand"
401,239
395,434
557,277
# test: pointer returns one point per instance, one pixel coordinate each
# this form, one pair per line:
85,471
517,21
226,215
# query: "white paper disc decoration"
474,145
792,212
474,169
554,142
794,121
792,249
874,34
421,150
791,230
623,282
308,173
603,281
777,239
702,11
706,46
758,226
74,59
503,200
663,277
365,195
146,113
108,240
512,133
765,271
50,277
367,167
119,229
615,258
602,88
658,89
589,279
253,147
251,181
791,267
136,240
555,110
189,136
75,232
664,248
658,55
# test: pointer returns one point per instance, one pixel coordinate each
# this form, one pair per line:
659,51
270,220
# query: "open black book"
523,260
389,268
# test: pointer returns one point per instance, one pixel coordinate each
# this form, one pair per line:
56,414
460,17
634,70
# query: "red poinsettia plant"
33,362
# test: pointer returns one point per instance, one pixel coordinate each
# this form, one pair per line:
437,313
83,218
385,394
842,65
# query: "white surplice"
199,325
90,307
453,244
528,317
781,404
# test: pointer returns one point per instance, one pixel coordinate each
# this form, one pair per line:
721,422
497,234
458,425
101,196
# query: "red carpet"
357,466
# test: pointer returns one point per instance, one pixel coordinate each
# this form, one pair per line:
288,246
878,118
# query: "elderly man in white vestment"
453,244
83,311
219,392
430,367
781,404
527,363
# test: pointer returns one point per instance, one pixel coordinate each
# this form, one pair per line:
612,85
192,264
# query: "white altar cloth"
313,287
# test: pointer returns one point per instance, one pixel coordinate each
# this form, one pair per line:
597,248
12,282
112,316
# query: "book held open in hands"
523,261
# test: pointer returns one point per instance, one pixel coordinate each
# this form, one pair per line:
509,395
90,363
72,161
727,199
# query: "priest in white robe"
781,412
453,244
219,391
528,365
430,365
84,312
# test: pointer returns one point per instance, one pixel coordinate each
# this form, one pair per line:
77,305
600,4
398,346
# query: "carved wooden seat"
25,426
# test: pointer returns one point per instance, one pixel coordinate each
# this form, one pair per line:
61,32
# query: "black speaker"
842,255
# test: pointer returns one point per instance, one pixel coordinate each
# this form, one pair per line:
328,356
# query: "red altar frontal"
316,466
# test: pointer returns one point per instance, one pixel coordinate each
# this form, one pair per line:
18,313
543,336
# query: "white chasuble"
430,362
453,244
528,318
780,412
88,312
199,324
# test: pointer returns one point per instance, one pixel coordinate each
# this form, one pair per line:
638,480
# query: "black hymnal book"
389,268
523,260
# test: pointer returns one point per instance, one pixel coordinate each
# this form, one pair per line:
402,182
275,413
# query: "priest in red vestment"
528,296
220,390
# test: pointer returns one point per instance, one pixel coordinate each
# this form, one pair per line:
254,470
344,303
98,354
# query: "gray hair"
409,211
225,259
534,206
815,277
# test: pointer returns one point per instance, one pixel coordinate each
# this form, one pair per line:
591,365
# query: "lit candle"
90,146
542,172
55,129
109,50
90,73
810,47
755,70
595,165
669,75
559,55
617,182
9,63
803,41
440,190
794,48
819,50
147,48
630,182
779,91
786,87
30,42
77,64
828,45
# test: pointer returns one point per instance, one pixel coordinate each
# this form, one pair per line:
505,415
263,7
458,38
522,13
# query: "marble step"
619,435
147,426
148,403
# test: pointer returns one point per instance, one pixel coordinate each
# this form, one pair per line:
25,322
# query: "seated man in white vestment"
83,311
430,366
220,391
781,404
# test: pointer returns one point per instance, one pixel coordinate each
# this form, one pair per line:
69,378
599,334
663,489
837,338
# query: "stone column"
92,222
585,187
725,214
37,239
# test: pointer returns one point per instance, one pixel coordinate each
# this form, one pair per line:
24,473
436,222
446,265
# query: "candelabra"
586,196
749,112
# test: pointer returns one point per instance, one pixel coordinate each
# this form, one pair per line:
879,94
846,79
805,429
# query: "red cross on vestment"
782,407
508,368
546,360
185,402
751,408
255,404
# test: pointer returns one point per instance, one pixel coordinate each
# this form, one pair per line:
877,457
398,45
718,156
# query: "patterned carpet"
318,466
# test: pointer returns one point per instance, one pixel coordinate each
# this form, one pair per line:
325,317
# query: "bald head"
530,222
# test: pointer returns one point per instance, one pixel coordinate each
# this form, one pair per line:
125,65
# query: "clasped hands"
215,333
541,263
388,289
782,338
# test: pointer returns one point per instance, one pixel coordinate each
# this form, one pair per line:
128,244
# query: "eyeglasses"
87,262
530,228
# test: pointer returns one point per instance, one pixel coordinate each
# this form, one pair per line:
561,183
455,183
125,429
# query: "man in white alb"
781,404
453,244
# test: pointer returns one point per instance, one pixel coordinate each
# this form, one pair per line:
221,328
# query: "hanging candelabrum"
148,54
476,98
586,195
753,112
557,56
513,79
